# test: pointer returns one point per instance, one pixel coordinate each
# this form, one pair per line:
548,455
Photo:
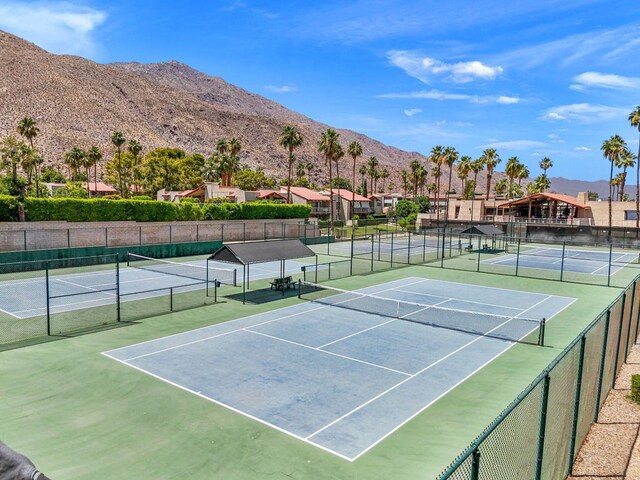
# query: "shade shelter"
483,231
250,253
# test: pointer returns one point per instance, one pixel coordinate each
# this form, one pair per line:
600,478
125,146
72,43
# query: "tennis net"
191,271
502,327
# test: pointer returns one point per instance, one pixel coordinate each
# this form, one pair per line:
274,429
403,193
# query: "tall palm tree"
545,164
464,168
28,128
290,138
329,145
74,159
363,171
336,158
437,157
634,120
354,150
384,174
511,169
309,166
300,170
450,158
612,149
414,167
476,166
117,138
93,157
372,165
523,173
135,148
491,161
626,160
404,181
423,178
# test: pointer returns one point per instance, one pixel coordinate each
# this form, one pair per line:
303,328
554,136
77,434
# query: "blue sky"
530,78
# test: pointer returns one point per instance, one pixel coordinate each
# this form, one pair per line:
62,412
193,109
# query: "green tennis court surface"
78,414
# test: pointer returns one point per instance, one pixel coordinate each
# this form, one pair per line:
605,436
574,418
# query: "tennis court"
346,369
144,278
585,261
389,244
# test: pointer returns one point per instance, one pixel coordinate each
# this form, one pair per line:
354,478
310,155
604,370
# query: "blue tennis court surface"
591,262
27,298
341,379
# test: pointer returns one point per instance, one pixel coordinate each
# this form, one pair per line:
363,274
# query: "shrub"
189,200
253,211
404,208
8,208
635,388
218,200
114,196
142,197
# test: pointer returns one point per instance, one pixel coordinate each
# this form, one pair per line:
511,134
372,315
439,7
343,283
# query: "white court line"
431,365
11,314
94,290
233,331
459,299
317,349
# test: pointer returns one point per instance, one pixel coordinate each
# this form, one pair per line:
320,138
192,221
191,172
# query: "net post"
603,360
564,249
475,464
543,328
299,288
118,312
543,426
244,283
235,277
610,258
206,276
518,256
379,238
372,246
329,268
392,247
409,250
576,405
424,248
171,299
352,246
479,250
615,365
215,291
48,293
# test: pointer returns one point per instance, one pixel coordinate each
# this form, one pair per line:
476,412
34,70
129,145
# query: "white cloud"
603,80
440,95
583,149
410,112
424,68
516,144
59,27
280,88
507,100
454,124
553,136
583,112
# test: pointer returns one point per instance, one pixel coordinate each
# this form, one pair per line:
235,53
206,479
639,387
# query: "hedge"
253,211
101,210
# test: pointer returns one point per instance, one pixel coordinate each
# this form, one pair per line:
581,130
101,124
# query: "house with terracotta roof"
344,199
382,202
319,203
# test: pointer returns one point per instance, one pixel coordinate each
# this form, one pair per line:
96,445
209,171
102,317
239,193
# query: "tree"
423,203
612,149
476,167
511,169
545,164
539,184
135,149
308,166
372,165
74,159
354,150
450,158
28,128
502,186
117,138
491,161
626,160
404,182
52,175
339,154
290,139
384,174
328,145
634,120
340,182
523,173
91,158
363,173
464,167
250,180
300,170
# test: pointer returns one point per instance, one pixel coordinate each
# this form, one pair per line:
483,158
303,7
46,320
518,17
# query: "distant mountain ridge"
573,187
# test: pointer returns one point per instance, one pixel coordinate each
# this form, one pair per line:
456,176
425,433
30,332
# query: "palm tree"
336,158
308,166
634,120
523,173
545,164
290,138
450,158
354,150
437,157
328,146
134,149
233,161
300,170
28,128
511,169
221,146
626,160
476,166
363,170
464,167
491,161
616,182
415,166
404,182
423,178
384,174
93,157
372,165
117,138
612,150
74,159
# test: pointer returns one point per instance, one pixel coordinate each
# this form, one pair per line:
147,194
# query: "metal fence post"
222,232
46,278
478,267
409,250
609,271
351,262
633,300
475,465
603,360
372,253
391,249
171,299
615,365
518,256
118,313
543,426
576,404
564,247
24,238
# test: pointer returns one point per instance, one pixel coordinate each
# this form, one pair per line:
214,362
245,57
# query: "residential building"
382,202
320,204
343,199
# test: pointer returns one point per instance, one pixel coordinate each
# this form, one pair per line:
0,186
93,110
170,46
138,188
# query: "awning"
247,253
483,230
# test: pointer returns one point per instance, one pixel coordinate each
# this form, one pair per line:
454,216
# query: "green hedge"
253,211
101,210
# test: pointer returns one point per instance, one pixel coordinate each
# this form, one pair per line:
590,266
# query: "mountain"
572,187
79,102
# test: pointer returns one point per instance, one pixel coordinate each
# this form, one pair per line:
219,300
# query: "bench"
280,284
468,248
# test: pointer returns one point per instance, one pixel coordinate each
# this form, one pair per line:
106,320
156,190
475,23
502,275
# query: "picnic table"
281,283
